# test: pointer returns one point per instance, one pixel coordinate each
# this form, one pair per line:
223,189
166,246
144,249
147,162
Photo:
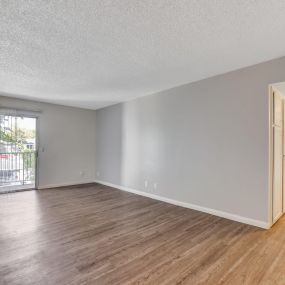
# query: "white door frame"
272,89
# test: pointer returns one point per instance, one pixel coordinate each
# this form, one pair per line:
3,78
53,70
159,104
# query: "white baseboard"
226,215
48,186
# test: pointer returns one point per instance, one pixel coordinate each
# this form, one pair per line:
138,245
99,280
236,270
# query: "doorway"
18,153
276,151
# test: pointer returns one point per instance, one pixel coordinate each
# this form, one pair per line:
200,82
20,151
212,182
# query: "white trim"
277,218
270,154
237,218
8,111
48,186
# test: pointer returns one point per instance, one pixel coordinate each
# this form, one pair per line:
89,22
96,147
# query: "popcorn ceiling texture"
92,53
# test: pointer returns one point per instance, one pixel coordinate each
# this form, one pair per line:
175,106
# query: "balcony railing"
17,168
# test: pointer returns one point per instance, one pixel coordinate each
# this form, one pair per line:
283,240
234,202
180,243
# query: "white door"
277,198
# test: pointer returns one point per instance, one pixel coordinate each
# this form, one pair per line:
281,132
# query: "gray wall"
67,136
204,143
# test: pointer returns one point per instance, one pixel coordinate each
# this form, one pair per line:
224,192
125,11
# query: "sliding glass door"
17,153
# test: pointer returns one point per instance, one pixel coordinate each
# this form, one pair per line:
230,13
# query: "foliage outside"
18,138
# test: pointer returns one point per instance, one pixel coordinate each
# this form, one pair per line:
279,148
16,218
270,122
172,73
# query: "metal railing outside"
17,168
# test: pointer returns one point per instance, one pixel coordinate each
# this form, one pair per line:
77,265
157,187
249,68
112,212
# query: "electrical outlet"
82,173
145,184
97,173
155,186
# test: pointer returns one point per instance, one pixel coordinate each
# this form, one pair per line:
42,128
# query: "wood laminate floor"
98,235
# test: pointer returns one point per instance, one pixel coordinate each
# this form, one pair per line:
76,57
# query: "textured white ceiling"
98,52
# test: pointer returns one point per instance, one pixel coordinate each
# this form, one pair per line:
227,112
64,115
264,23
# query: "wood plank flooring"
95,234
